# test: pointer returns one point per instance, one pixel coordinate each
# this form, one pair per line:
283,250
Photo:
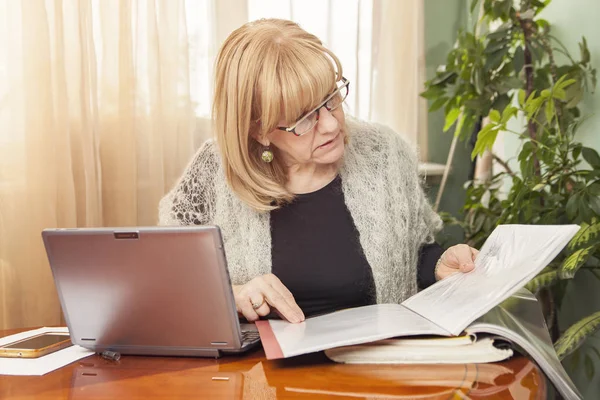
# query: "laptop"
162,291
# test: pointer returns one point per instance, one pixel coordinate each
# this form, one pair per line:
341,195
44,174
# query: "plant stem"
504,165
527,27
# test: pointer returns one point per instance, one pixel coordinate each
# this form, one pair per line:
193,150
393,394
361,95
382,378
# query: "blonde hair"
266,68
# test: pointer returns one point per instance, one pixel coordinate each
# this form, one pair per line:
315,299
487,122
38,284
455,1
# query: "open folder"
458,305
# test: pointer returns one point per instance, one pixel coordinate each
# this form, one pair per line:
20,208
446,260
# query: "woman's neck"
310,178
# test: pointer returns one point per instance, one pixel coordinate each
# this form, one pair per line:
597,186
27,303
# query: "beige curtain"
96,123
398,64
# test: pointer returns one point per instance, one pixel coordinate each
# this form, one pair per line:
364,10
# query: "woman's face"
323,144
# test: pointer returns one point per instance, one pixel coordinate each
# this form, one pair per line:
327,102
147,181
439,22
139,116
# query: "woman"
318,211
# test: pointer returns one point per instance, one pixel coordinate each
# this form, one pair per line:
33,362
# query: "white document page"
351,326
511,257
41,365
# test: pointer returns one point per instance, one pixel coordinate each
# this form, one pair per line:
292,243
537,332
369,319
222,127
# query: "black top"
317,253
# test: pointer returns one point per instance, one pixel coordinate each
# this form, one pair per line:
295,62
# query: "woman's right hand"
256,298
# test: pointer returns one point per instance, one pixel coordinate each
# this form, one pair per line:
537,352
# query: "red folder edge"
269,342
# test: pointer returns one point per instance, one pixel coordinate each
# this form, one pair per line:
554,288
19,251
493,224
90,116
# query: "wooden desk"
253,377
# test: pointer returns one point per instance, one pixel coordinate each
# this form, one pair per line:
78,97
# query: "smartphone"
36,346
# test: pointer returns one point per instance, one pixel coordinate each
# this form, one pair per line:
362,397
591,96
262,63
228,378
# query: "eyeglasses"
333,101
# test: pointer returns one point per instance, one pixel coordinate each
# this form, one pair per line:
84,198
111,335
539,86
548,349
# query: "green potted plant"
508,77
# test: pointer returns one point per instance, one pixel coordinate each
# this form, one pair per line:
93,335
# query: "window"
344,26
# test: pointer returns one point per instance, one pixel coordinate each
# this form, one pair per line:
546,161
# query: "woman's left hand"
459,258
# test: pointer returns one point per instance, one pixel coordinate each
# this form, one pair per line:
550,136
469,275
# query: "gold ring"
256,306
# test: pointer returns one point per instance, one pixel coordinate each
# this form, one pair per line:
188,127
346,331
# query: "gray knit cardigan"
382,190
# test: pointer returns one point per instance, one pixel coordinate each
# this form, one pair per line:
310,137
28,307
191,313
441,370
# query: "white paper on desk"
510,257
41,365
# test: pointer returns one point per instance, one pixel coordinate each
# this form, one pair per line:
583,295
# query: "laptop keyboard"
250,337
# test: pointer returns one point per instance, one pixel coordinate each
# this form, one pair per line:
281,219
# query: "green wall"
571,20
443,19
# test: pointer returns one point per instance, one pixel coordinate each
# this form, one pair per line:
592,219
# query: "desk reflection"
94,381
516,379
311,376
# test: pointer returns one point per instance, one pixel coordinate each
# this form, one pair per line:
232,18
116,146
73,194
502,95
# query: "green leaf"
451,59
474,104
565,84
576,152
576,95
527,170
541,281
586,234
572,263
500,33
526,151
432,92
495,116
542,23
572,206
591,156
496,45
585,212
478,81
531,97
439,103
576,335
451,118
452,103
537,51
595,204
465,129
494,59
562,83
460,124
485,140
585,53
522,97
534,106
514,82
473,5
442,77
501,102
549,110
559,94
508,113
539,187
518,60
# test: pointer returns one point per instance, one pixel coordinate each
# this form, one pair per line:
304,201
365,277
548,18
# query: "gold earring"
267,155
